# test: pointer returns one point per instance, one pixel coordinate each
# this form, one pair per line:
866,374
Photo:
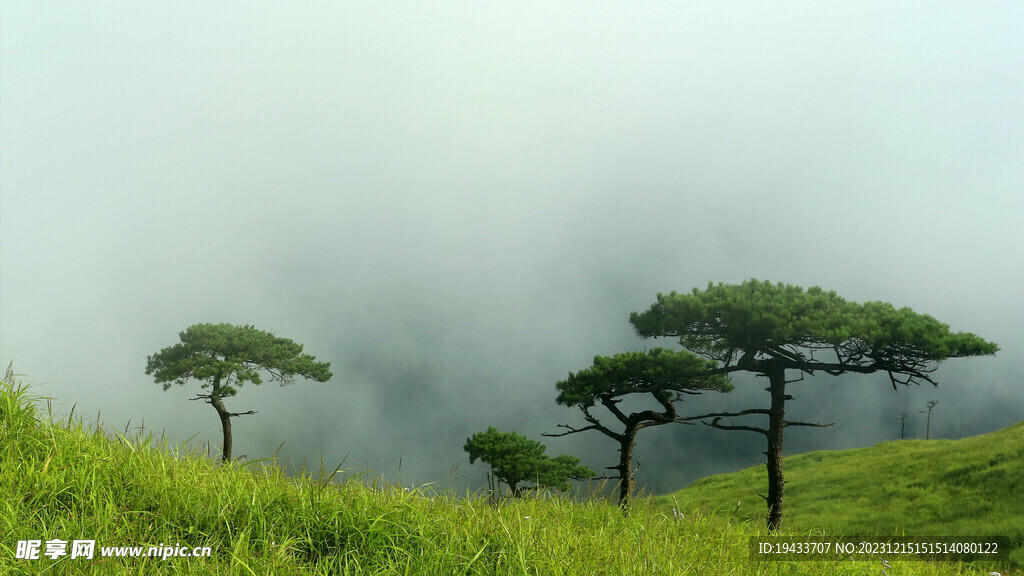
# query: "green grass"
967,487
70,481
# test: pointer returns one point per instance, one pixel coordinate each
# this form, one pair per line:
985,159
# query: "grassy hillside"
67,481
971,486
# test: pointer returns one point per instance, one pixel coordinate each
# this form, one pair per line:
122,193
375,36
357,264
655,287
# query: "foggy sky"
457,204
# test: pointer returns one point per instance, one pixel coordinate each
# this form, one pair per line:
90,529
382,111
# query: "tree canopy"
812,330
224,357
659,371
515,459
767,329
233,355
664,375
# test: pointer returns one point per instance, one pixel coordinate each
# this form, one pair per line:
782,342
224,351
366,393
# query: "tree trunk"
776,424
225,419
625,466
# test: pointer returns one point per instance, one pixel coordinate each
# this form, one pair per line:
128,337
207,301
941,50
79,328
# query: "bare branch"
670,408
794,357
714,424
797,380
598,426
612,406
571,430
811,424
764,411
595,425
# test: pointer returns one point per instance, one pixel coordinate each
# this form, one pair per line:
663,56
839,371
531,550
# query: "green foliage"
663,374
67,481
888,332
560,469
515,459
768,329
727,321
233,355
658,371
742,317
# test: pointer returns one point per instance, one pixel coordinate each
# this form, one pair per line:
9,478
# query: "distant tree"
767,329
928,427
661,375
515,459
225,357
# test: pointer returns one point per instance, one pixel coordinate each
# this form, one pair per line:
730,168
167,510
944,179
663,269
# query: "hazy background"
456,204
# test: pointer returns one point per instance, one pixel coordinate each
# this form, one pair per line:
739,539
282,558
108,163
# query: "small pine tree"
660,375
515,459
224,357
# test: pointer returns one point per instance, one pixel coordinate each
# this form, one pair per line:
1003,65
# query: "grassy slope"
970,487
70,482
